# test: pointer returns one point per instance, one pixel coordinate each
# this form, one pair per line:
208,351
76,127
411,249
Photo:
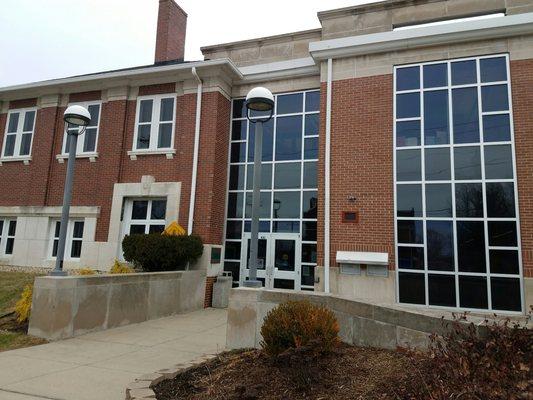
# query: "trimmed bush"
120,268
156,252
86,271
23,306
299,324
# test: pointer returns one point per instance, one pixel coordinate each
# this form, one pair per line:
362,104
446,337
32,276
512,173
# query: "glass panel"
468,200
167,110
311,124
409,200
284,284
234,268
143,137
156,228
25,144
310,177
78,229
309,253
494,98
464,72
238,130
239,109
504,262
235,205
159,209
236,177
493,69
408,105
13,122
9,150
12,228
412,288
410,232
284,254
57,229
505,294
288,176
261,253
311,149
164,140
264,205
289,138
502,233
436,129
89,142
471,246
145,110
308,275
441,290
309,231
94,110
467,163
286,226
268,139
408,166
264,226
139,209
439,200
290,103
411,257
473,292
310,205
498,162
496,128
29,117
408,133
440,245
10,243
55,245
500,200
137,229
408,78
75,250
435,75
437,162
312,101
266,176
232,251
1,228
238,152
465,115
286,205
233,229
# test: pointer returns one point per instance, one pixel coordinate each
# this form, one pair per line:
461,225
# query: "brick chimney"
171,27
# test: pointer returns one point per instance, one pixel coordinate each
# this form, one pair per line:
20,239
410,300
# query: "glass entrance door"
279,256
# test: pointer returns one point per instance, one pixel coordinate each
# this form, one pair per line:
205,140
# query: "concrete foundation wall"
63,307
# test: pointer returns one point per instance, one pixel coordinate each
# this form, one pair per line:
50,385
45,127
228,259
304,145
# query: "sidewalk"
99,365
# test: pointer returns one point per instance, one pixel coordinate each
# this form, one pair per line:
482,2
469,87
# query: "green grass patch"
15,340
11,286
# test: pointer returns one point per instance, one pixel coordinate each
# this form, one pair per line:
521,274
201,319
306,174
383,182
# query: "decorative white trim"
512,25
281,69
362,257
168,152
26,159
49,211
91,156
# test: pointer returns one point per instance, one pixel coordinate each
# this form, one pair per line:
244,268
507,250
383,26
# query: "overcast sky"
45,39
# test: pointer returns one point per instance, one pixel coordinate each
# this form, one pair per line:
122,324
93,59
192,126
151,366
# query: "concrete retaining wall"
361,323
69,306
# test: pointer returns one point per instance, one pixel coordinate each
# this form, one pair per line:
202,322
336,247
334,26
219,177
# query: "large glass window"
18,135
457,230
289,197
154,128
74,240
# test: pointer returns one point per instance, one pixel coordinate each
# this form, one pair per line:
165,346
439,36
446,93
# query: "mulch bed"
9,323
348,373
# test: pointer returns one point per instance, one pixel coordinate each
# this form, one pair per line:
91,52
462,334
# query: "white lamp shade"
77,115
260,99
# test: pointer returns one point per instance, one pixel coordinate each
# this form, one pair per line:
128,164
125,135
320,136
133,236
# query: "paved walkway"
99,365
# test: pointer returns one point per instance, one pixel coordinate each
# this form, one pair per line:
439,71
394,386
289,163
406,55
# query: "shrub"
86,271
23,306
156,252
120,268
298,324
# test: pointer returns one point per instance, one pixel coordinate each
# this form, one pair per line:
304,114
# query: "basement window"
448,21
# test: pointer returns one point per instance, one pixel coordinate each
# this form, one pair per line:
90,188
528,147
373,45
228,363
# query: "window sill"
25,159
168,152
91,156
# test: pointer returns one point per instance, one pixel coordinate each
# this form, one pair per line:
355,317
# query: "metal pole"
256,201
67,196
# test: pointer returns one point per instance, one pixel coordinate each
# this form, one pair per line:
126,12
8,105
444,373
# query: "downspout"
195,151
327,160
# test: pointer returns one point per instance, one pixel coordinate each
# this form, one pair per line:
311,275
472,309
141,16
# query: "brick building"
396,167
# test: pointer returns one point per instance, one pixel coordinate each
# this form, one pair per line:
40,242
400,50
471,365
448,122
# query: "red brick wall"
171,29
522,82
361,165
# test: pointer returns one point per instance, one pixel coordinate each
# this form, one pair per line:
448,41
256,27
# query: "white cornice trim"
279,70
512,25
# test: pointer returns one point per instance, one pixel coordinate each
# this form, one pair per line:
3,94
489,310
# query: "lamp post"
258,100
75,116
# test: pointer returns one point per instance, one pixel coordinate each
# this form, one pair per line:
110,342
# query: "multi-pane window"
74,239
289,194
145,216
154,128
8,228
457,226
19,133
88,140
